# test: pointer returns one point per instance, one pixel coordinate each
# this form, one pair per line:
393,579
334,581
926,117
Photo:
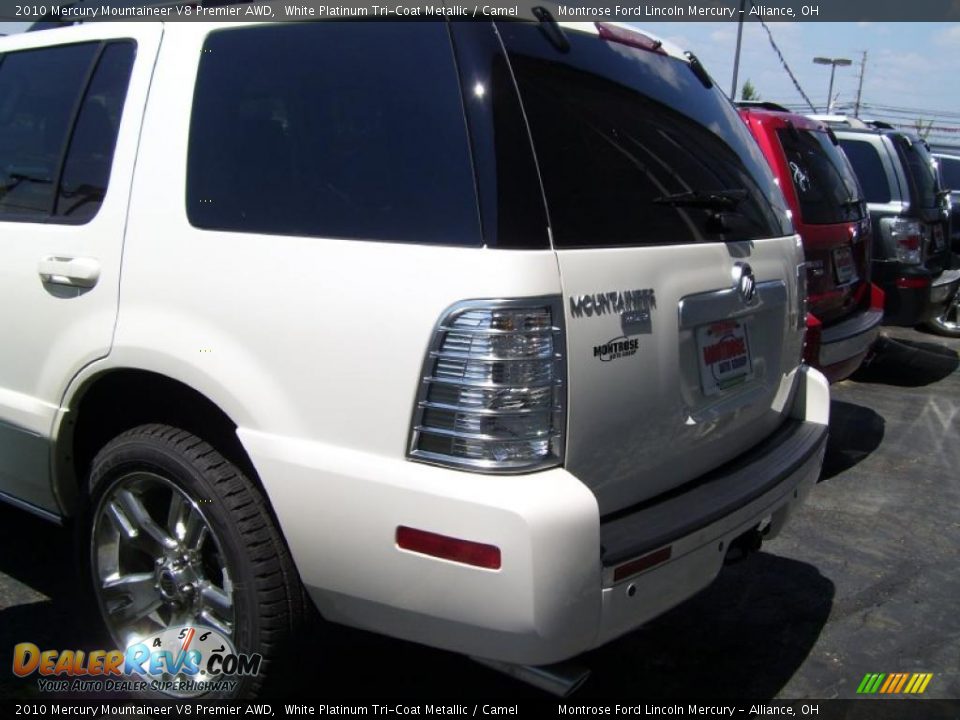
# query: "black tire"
239,554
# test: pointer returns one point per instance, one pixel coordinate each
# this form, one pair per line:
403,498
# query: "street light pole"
832,62
736,55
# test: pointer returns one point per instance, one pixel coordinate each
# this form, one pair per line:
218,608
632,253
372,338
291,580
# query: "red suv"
844,309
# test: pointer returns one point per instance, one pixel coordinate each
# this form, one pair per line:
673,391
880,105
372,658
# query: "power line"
783,61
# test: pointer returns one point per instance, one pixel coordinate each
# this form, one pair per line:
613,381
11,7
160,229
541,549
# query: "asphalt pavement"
863,580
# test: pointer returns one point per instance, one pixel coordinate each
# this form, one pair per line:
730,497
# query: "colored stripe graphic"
903,681
894,683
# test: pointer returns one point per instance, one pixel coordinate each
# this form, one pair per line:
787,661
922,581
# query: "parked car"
487,336
948,172
829,211
911,255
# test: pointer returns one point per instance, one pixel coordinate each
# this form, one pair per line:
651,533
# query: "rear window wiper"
712,200
15,178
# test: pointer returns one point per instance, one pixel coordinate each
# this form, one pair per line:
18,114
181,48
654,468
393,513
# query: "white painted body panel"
314,348
58,330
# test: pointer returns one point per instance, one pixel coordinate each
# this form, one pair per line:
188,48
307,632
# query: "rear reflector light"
614,33
811,341
642,563
802,299
492,395
917,282
449,548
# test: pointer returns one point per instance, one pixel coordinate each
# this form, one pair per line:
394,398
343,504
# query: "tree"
749,92
921,130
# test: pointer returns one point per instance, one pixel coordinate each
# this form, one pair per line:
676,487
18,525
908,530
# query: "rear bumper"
909,303
844,346
554,595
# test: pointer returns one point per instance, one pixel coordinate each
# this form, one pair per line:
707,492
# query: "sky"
910,66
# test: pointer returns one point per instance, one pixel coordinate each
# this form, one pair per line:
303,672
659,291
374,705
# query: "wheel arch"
115,400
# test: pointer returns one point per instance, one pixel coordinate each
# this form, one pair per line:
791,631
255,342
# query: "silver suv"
909,216
486,336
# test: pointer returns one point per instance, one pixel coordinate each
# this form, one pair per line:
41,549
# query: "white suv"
487,335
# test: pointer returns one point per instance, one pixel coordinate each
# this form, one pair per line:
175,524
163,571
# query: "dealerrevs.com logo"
179,661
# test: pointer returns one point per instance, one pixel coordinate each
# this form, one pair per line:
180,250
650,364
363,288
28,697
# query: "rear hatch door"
832,221
676,255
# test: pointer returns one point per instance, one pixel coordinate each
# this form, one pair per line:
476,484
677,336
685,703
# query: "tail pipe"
560,679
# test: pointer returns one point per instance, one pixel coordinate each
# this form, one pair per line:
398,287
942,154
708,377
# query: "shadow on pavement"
40,601
855,432
907,363
744,636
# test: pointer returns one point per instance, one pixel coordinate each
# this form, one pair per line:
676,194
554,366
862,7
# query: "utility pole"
863,69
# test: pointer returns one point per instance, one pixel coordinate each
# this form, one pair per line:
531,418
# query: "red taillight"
449,548
877,297
913,283
642,563
613,33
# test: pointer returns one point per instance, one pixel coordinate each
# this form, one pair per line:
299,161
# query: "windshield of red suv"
826,187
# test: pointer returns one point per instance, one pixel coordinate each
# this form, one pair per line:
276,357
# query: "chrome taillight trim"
556,433
487,412
484,437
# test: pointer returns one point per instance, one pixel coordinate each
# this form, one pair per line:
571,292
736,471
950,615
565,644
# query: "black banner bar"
644,11
860,709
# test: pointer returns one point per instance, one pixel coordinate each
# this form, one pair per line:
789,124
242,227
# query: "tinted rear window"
822,178
869,168
345,130
919,167
622,133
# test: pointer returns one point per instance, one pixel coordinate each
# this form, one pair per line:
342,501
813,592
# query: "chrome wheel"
949,322
157,562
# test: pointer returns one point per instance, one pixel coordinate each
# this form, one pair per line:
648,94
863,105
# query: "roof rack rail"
762,105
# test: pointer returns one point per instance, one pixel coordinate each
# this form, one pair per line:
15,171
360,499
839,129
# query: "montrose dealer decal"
617,348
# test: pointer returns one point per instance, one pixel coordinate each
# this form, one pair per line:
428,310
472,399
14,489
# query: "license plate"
724,353
843,266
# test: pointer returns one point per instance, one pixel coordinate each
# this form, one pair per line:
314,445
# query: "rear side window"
949,172
341,130
86,171
39,90
869,168
635,150
826,187
60,111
